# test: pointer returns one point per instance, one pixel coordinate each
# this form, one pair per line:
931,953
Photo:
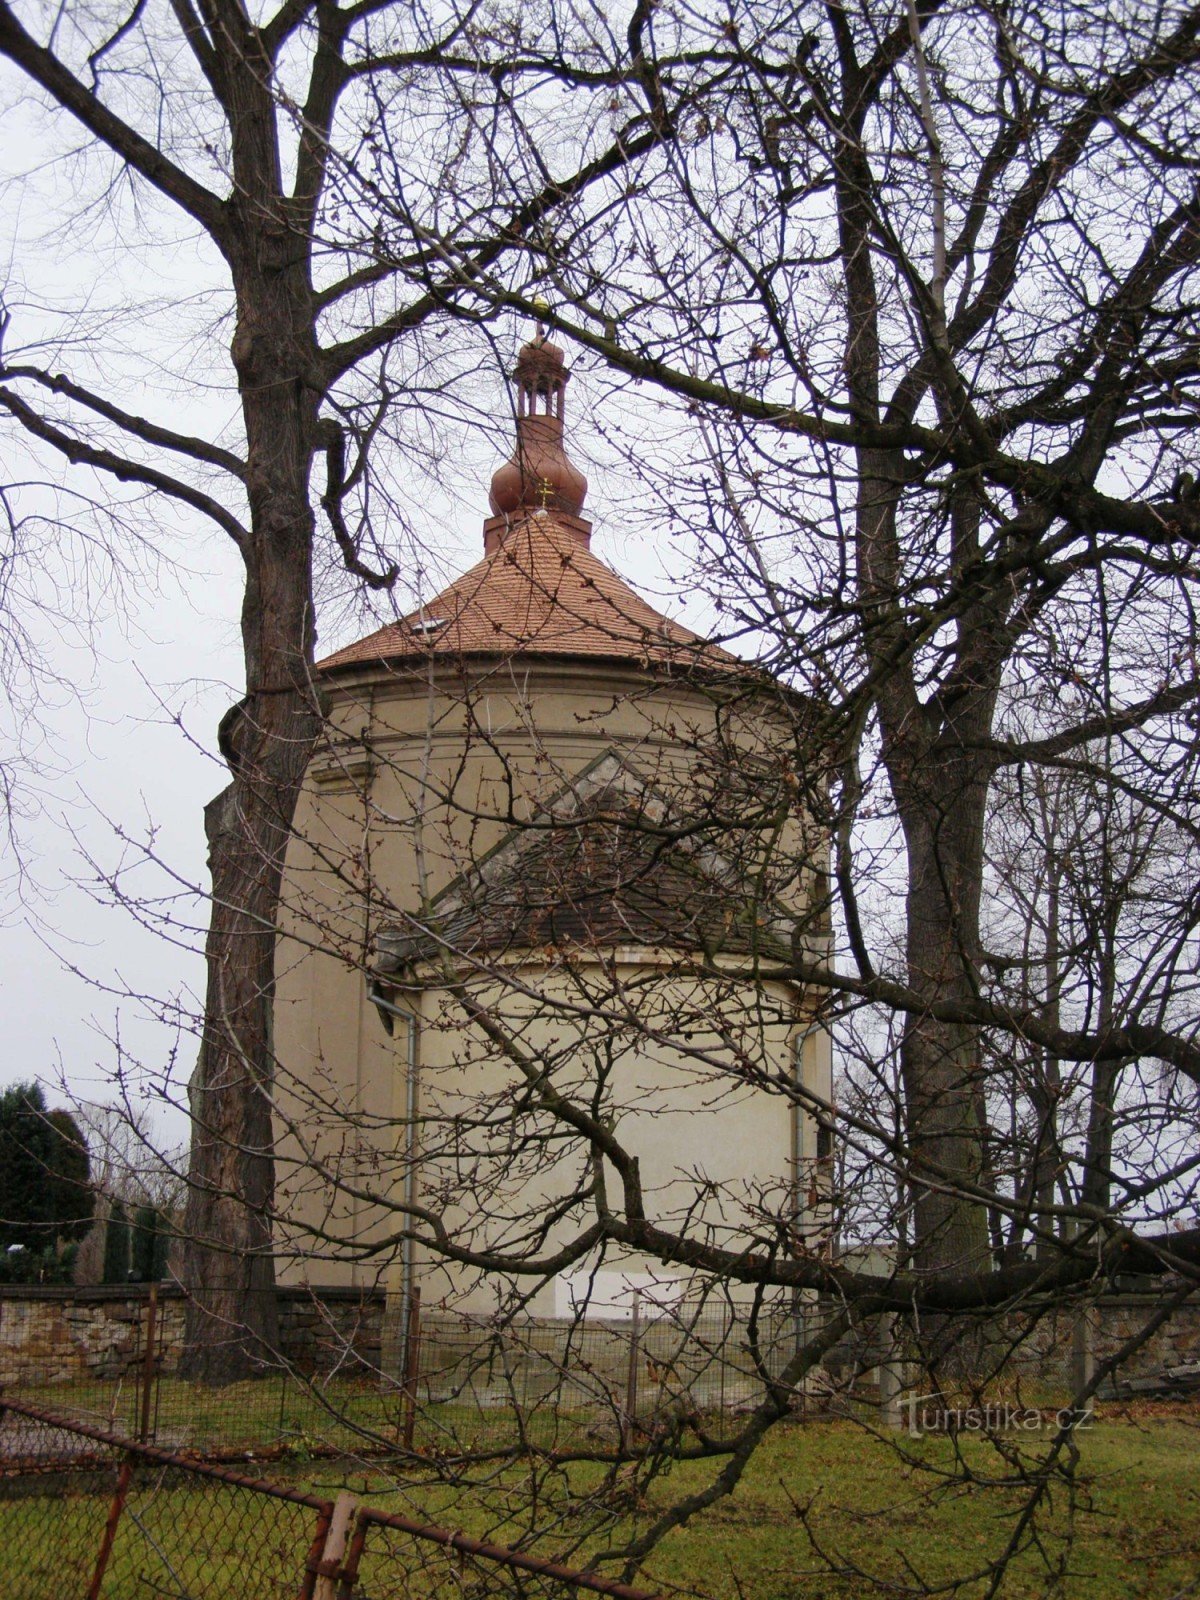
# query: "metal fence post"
353,1559
315,1551
412,1367
631,1377
726,1343
124,1478
148,1363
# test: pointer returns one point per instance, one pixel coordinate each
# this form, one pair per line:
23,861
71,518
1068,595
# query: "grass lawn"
283,1414
240,1416
1136,1521
827,1487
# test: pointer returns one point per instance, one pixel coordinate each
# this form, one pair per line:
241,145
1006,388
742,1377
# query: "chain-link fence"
364,1374
466,1377
85,1513
375,1376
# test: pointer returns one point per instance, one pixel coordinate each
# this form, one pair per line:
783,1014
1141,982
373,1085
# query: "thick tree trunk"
232,1329
940,1061
229,1267
267,740
942,806
934,753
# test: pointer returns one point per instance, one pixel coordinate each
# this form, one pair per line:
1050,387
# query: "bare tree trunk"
1046,1156
228,1264
267,739
938,773
940,1061
1096,1187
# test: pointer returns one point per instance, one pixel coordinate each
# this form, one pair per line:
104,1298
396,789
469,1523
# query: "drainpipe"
390,1014
799,1158
798,1117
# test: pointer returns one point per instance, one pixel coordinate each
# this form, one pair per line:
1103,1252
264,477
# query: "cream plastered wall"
688,1072
418,778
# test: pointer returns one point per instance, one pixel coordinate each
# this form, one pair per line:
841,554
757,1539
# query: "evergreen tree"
26,1157
150,1245
116,1245
46,1200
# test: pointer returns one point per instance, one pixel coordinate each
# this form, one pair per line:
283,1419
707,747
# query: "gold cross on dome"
545,490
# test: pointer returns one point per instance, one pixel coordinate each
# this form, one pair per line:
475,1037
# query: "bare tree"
948,453
130,1159
924,285
303,148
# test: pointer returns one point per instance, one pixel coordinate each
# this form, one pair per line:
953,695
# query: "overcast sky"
130,762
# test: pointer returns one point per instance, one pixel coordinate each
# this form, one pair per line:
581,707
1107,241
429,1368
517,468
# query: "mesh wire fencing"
563,1383
394,1382
368,1376
89,1514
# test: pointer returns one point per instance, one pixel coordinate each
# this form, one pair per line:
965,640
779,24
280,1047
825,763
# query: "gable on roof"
602,865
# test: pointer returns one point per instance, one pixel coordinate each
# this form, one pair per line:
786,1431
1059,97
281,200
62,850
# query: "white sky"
121,766
126,768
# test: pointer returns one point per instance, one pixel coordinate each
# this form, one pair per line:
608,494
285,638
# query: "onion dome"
539,476
539,590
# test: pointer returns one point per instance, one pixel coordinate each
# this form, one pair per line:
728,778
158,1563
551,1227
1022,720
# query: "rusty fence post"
108,1539
412,1367
315,1551
329,1568
353,1559
148,1364
631,1375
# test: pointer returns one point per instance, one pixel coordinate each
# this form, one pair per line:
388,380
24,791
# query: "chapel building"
549,860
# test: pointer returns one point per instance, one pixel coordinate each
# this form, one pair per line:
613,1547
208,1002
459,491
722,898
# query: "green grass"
284,1413
833,1489
884,1518
237,1417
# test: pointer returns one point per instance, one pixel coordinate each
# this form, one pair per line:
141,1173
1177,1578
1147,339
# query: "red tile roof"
541,592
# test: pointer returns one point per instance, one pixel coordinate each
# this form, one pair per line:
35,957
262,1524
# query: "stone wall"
320,1328
1047,1344
58,1334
